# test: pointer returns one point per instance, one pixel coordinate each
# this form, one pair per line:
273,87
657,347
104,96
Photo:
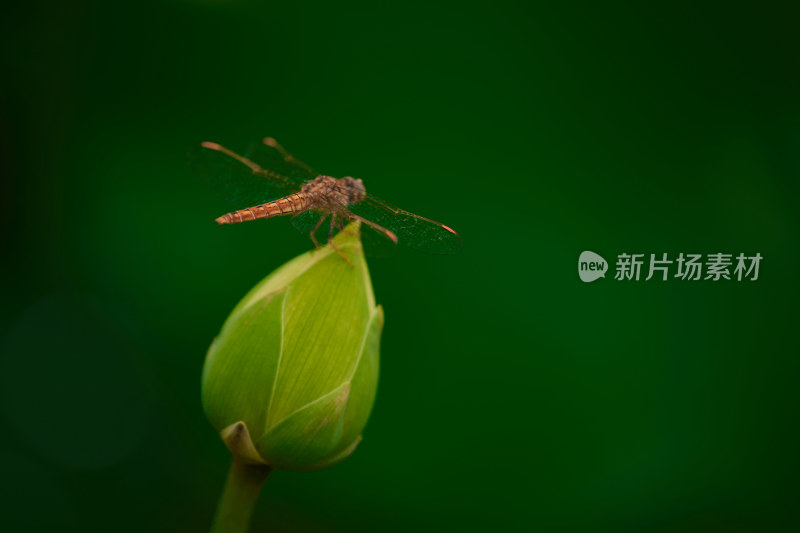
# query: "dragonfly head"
355,190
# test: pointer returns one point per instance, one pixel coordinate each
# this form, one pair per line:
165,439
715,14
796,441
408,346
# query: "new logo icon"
591,266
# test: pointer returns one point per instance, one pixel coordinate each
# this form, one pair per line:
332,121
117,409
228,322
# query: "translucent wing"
411,230
382,227
240,180
267,153
311,221
376,243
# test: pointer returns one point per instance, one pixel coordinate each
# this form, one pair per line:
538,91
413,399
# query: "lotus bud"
290,380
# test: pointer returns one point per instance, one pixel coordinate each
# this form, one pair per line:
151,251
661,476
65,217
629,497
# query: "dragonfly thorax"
332,194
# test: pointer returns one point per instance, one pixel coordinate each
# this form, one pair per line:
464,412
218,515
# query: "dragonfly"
270,182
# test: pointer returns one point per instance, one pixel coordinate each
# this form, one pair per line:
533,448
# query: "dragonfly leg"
332,244
343,227
313,233
380,229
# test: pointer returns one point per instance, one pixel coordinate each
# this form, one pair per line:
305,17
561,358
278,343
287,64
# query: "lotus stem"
239,496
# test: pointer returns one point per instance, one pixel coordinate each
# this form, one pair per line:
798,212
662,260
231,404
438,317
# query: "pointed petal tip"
237,438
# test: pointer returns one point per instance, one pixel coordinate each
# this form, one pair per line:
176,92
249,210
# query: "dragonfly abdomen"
289,205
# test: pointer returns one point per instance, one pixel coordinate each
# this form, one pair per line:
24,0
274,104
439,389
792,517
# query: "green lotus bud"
291,378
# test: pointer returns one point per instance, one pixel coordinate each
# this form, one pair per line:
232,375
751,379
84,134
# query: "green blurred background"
512,396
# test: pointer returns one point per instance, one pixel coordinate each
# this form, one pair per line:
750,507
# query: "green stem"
239,496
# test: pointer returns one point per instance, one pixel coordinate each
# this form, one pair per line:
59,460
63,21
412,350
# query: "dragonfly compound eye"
355,189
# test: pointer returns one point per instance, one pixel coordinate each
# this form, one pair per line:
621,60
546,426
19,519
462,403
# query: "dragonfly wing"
309,221
267,153
238,180
376,243
411,230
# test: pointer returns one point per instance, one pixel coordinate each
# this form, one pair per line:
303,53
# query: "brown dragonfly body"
326,194
274,183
